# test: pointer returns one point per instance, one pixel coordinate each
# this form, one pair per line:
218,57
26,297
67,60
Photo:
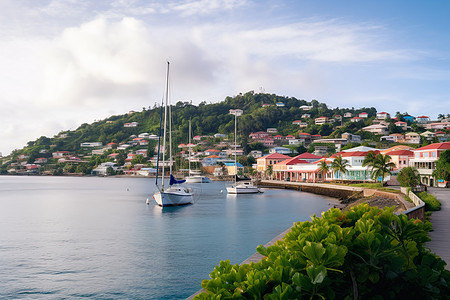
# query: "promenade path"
440,236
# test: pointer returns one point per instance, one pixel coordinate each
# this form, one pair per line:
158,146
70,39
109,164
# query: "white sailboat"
240,186
194,177
175,194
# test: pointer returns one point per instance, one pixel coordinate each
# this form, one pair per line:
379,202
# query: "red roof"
212,156
353,153
439,132
212,150
383,113
307,155
401,152
436,146
316,135
303,133
278,136
275,156
423,117
293,161
111,144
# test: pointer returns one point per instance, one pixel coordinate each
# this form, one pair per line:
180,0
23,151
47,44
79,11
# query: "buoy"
148,201
221,191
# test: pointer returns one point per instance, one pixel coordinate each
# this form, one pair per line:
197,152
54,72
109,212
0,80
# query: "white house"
363,115
383,115
103,167
91,144
132,124
281,150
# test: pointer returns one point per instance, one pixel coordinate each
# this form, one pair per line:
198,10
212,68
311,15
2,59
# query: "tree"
340,165
269,171
382,167
110,171
442,170
408,177
369,159
324,169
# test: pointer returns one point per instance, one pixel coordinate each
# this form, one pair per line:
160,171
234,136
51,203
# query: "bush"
364,253
431,203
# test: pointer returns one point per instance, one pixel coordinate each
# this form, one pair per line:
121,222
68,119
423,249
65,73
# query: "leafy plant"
364,253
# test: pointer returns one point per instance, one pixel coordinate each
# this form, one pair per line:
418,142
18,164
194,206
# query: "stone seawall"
339,192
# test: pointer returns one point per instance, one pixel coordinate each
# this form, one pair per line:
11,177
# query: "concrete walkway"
440,236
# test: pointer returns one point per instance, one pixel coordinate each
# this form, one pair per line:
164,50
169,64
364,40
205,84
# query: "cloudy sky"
68,62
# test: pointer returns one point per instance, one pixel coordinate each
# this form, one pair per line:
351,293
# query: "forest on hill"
207,119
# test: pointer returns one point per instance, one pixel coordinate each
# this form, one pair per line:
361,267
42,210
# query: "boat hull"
174,198
243,189
197,179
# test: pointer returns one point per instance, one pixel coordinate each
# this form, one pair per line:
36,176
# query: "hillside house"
425,160
412,138
281,150
408,118
423,119
306,107
348,115
353,138
60,154
280,104
211,152
377,129
255,153
363,115
427,135
306,116
132,124
91,144
402,125
272,130
383,115
356,119
321,120
438,125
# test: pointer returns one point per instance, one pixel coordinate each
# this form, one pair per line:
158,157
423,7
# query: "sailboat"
175,193
194,177
240,185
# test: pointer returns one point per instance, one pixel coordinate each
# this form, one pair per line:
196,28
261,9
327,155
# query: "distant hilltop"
265,121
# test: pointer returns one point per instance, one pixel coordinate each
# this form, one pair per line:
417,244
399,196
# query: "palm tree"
340,165
324,169
369,159
382,167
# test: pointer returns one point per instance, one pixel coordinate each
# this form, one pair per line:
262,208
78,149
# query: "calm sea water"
68,237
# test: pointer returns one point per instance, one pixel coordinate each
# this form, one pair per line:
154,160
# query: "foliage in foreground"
364,253
431,202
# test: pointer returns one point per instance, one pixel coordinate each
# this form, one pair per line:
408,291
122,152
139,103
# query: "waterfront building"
383,115
425,161
269,160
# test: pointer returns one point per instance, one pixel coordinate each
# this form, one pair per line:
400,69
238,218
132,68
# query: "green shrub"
364,253
431,203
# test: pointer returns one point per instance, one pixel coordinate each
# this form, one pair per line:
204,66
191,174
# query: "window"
425,154
433,154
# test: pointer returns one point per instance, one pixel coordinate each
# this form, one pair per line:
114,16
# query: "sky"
68,62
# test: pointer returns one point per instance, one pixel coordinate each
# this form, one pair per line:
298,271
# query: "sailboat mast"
189,145
235,147
165,123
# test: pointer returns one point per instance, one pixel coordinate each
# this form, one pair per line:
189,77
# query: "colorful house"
425,159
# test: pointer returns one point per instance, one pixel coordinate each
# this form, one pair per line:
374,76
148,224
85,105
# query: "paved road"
440,236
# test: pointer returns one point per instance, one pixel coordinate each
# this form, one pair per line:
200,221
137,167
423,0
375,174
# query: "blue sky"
69,62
